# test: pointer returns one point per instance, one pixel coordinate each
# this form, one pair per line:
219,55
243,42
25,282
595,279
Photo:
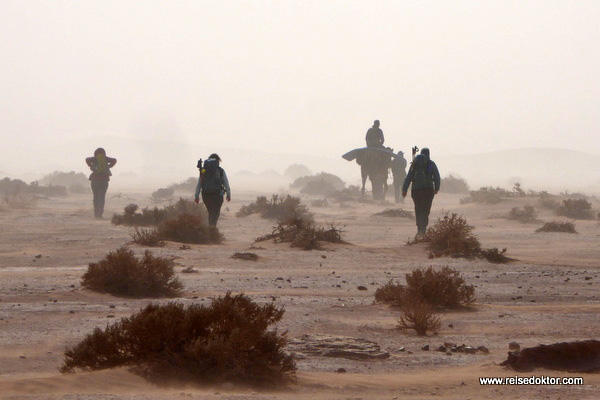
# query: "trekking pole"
414,152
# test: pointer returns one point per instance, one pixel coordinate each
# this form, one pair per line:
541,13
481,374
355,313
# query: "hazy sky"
304,77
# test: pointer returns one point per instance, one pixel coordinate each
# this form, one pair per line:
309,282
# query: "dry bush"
189,228
245,256
579,356
452,236
321,187
155,216
329,179
66,179
437,288
351,193
575,208
229,340
303,234
527,214
20,200
547,200
189,185
557,226
319,203
440,288
278,207
147,237
494,255
296,171
418,315
393,293
395,213
453,184
122,274
486,195
162,194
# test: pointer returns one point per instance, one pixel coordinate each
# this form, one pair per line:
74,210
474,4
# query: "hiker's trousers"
99,188
423,198
398,181
213,203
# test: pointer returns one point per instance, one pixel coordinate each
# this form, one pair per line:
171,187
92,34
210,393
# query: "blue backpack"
212,178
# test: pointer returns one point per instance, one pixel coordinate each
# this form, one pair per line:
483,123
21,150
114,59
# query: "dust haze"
267,84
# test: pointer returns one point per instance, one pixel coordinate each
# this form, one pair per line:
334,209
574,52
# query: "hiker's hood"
425,152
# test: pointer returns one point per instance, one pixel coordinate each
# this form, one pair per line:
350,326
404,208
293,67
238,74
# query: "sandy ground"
43,308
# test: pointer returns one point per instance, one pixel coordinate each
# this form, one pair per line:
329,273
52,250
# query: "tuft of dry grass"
395,213
494,255
418,315
122,274
303,234
229,340
486,195
189,228
147,237
557,226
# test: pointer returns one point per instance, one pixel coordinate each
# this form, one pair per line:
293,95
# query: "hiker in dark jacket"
374,137
425,179
213,184
399,174
100,165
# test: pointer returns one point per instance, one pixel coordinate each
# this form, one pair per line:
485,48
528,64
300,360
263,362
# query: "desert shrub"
147,237
155,216
324,180
452,236
547,200
486,195
19,200
395,213
303,234
321,187
439,288
189,228
527,214
79,188
295,171
494,255
575,208
518,190
319,203
350,193
229,340
392,293
162,194
453,184
278,207
189,185
418,315
66,179
557,226
122,274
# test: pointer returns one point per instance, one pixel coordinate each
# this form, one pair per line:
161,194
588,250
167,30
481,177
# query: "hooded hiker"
374,137
213,184
100,165
425,179
399,174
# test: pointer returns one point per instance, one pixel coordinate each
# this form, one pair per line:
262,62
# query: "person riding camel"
374,137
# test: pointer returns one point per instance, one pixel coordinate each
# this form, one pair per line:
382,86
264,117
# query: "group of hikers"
213,185
423,174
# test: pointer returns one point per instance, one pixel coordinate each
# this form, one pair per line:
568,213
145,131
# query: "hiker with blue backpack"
425,179
213,184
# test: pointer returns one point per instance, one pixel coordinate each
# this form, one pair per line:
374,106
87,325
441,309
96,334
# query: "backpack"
212,178
422,172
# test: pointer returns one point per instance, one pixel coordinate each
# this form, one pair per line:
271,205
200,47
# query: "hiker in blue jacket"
425,179
213,184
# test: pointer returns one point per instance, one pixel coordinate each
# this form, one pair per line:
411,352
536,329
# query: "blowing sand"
549,294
